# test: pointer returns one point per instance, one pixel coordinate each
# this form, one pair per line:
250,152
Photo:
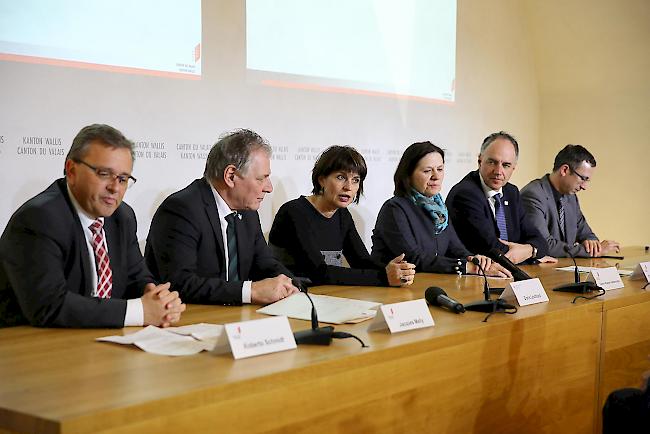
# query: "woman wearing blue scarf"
415,221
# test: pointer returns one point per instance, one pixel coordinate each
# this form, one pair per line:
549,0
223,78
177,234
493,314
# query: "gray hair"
103,133
500,135
234,148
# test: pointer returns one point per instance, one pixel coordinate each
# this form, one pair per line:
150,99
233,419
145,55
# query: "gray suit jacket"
542,212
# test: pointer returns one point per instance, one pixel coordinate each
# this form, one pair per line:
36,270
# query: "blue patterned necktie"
500,215
233,273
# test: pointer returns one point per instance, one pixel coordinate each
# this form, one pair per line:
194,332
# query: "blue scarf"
435,207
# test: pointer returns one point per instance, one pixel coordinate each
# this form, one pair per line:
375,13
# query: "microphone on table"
577,286
486,285
501,259
438,297
317,335
487,305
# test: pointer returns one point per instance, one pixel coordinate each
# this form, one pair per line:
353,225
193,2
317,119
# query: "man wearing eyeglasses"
206,239
69,257
552,205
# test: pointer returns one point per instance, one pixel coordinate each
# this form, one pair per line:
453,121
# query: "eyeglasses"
107,175
582,177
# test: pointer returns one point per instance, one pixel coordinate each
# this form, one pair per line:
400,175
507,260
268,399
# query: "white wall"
496,88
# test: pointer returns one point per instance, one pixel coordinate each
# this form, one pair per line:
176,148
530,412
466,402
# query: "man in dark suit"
207,240
552,206
69,256
486,209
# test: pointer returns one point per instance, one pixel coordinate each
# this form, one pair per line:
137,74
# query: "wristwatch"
534,251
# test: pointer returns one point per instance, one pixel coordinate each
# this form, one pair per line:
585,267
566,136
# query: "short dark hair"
500,135
573,155
407,164
339,159
234,148
103,133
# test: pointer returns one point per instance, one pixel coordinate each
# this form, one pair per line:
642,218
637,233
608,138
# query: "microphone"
487,305
316,335
577,286
438,297
486,286
576,274
501,259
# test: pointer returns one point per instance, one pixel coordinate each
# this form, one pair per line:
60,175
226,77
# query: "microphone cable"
345,335
506,311
602,292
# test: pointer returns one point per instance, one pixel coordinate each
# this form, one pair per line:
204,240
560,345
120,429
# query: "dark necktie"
102,261
562,219
500,215
233,273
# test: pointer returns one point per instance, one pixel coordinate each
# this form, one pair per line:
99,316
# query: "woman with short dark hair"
313,234
415,221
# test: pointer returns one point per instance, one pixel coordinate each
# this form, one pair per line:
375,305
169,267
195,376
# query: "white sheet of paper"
583,269
201,331
480,276
159,341
334,310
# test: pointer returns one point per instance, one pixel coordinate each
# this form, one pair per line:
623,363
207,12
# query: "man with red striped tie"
69,257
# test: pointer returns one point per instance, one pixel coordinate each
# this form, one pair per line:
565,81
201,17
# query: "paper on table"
201,331
334,310
158,341
488,276
583,269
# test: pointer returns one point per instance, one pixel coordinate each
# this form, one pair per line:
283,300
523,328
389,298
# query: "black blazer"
403,227
475,224
45,276
185,247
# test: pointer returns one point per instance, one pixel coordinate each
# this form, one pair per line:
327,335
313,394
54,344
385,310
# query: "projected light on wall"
404,49
155,37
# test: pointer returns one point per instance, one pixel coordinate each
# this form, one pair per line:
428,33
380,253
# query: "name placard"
607,278
400,317
529,291
642,270
256,337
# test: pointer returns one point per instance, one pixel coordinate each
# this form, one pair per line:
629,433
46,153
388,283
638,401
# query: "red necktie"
104,273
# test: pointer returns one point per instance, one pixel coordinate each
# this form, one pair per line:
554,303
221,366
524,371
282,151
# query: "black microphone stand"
578,286
487,305
319,335
316,335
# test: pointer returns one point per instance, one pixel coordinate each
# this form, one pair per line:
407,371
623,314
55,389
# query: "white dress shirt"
489,193
224,210
134,310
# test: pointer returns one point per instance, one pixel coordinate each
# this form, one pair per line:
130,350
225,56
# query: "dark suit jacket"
403,227
475,224
45,276
541,211
185,247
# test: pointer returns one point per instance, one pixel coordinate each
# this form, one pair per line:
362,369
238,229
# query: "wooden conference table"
547,368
